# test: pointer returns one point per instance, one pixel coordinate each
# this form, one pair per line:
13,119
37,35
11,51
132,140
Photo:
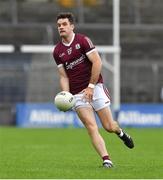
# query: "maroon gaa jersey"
73,57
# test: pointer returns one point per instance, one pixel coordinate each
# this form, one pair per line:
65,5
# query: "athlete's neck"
69,39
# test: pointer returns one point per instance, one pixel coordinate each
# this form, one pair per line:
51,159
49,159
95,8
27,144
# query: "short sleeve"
57,58
87,45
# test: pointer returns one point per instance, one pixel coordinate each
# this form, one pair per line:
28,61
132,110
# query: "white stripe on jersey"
90,51
60,65
89,42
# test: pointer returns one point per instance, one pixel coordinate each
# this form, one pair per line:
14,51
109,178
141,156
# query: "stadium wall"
47,115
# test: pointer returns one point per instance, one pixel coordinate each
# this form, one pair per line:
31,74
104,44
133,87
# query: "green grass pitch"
68,154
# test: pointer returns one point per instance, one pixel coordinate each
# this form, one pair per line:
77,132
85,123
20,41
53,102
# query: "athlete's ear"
72,26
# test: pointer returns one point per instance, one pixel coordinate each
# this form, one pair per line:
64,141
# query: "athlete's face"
65,28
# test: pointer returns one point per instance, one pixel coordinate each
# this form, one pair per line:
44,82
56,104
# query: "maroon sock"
105,158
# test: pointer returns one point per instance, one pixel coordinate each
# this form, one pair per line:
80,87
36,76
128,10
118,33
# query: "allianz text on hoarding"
45,115
141,115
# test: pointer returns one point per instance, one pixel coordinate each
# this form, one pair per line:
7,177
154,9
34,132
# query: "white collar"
68,44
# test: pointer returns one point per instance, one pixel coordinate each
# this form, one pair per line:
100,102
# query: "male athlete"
79,67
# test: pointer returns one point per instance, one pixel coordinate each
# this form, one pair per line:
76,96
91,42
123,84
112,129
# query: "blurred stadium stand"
32,77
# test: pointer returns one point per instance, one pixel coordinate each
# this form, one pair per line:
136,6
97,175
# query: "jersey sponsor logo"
69,51
61,55
75,63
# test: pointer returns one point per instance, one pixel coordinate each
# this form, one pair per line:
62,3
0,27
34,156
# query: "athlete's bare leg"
87,116
107,121
110,125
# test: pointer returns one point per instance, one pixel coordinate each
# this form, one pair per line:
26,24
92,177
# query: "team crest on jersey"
69,51
77,46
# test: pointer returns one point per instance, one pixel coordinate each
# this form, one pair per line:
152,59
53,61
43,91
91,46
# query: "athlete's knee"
111,127
91,128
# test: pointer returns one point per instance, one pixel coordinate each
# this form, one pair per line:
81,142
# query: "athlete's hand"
88,94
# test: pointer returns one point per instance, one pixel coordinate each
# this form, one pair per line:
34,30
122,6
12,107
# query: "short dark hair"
67,15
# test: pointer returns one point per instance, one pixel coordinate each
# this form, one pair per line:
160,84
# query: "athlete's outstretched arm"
64,81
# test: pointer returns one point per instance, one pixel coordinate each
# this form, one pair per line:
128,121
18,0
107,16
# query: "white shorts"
101,98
